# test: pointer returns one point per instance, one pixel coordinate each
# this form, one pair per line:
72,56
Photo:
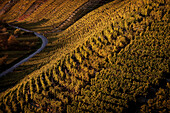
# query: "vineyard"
114,59
54,12
59,45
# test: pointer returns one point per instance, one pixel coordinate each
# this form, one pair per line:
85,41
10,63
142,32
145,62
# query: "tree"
4,29
12,40
3,40
3,59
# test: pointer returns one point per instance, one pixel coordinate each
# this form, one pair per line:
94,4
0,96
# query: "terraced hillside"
50,12
58,46
5,5
114,59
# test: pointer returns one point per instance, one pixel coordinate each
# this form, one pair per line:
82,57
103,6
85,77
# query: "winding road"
44,43
86,6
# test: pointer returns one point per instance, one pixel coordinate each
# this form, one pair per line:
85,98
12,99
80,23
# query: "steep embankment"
115,59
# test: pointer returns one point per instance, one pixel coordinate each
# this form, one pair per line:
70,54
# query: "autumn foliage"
115,60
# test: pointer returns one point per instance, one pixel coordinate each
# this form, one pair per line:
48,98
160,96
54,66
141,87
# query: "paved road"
44,43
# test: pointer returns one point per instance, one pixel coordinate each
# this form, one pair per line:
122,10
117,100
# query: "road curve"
44,43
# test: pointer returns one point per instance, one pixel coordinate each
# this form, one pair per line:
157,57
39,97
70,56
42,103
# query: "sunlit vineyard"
114,59
49,14
3,2
59,45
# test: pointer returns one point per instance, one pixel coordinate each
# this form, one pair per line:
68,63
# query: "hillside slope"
59,44
114,59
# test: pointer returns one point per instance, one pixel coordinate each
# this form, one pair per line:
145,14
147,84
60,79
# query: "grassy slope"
120,60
